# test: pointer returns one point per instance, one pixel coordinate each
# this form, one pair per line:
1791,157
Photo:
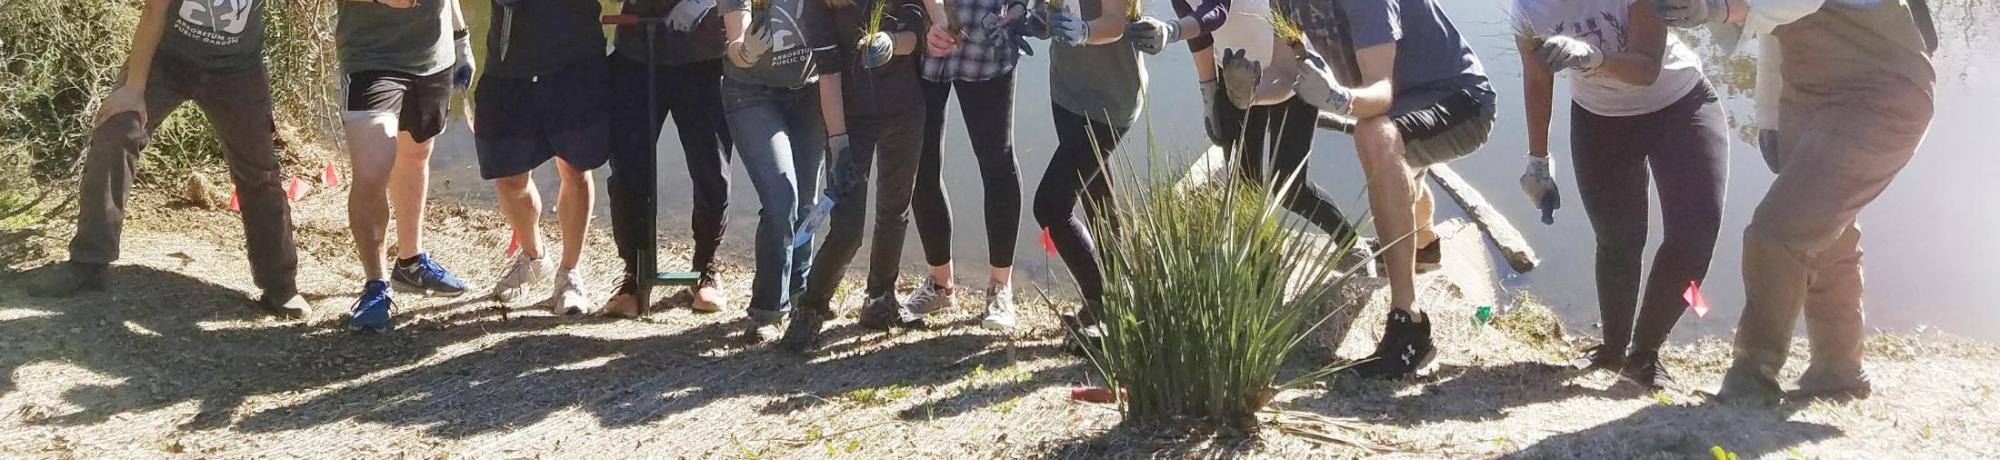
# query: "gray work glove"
1069,28
877,50
685,15
1560,53
1318,87
1692,13
1540,186
1240,76
1151,34
756,42
1208,120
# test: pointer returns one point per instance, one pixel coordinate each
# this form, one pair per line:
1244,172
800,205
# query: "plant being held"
876,47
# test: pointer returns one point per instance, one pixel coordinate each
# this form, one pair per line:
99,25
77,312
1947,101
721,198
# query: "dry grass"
171,362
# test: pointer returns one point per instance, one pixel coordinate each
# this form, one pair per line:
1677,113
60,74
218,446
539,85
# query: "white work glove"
1151,34
1240,76
1692,13
877,50
1540,186
1318,86
462,48
1069,28
687,14
1561,52
755,43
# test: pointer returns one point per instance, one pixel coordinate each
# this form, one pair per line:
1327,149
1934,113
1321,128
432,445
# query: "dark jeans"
1284,130
892,139
1076,173
1686,148
781,139
988,110
692,94
238,105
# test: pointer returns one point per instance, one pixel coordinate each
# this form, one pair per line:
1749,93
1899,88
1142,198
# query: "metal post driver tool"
649,274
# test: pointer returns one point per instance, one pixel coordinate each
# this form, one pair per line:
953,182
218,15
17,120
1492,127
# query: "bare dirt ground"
172,361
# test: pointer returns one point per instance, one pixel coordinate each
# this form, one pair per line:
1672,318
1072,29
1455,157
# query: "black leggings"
988,110
1074,173
1686,147
1286,131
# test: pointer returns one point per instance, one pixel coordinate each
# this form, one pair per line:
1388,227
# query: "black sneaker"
1405,349
1645,370
67,279
1080,338
422,275
884,313
1819,382
803,334
1599,358
1430,258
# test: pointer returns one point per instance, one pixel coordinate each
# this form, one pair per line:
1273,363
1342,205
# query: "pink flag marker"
1048,244
1695,301
513,246
234,205
329,176
297,188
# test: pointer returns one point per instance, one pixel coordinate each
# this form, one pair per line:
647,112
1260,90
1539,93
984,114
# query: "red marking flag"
1695,301
234,205
329,176
513,246
297,188
1048,244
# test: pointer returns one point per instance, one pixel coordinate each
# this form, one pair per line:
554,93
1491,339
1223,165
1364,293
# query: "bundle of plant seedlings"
873,25
1286,29
1208,289
1132,12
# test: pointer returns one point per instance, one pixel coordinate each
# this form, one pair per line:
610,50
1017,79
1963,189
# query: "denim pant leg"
761,127
808,138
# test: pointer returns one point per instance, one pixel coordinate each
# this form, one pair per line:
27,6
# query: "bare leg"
573,206
942,274
371,147
1003,276
1392,198
522,204
409,187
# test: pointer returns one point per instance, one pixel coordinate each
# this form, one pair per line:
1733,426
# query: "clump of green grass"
1208,289
870,397
1132,10
1285,28
876,12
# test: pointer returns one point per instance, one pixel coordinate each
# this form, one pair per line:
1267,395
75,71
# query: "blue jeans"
781,139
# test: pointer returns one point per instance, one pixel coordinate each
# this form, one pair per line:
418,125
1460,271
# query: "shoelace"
435,271
370,296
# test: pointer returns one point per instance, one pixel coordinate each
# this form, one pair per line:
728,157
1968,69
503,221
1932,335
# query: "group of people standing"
821,98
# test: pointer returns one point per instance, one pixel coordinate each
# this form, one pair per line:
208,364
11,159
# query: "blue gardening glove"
1540,186
1240,76
1208,121
877,50
1692,13
462,78
687,14
841,185
1069,28
1318,86
1560,53
1150,34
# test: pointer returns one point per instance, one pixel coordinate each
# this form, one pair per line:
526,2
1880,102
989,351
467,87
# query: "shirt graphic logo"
228,17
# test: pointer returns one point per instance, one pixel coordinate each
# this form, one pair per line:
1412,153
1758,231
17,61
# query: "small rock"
199,193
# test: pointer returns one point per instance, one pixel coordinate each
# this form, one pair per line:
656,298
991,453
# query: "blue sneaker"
421,274
371,312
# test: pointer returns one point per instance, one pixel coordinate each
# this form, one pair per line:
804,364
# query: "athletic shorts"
1454,126
421,103
522,122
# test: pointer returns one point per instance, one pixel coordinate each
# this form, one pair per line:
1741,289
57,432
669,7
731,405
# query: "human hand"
1318,86
1150,34
939,40
1069,28
1692,13
1540,186
462,77
1562,52
1240,76
126,98
877,50
687,14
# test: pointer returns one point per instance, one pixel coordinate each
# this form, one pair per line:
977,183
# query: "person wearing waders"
1417,97
400,60
881,106
1096,77
543,97
771,97
974,47
1857,99
212,53
688,70
1642,112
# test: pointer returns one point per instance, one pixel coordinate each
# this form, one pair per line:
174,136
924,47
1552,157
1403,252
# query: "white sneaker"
567,299
521,272
930,298
999,309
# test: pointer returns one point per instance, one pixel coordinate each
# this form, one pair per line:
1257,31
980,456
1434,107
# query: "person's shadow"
1686,432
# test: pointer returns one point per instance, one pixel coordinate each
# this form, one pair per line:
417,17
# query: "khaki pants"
1856,105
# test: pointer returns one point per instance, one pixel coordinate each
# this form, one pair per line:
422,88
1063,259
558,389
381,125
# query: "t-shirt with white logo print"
215,34
799,43
1603,23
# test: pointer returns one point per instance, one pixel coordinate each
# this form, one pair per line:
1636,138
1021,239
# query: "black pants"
891,139
692,95
1686,147
1285,131
1076,173
988,110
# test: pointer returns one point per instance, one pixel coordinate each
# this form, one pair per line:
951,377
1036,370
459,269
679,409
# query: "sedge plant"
873,25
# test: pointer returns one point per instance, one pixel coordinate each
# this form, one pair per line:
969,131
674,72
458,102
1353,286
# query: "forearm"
146,42
1372,100
1204,65
735,23
1539,91
832,109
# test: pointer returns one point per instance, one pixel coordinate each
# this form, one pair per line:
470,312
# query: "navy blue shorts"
524,121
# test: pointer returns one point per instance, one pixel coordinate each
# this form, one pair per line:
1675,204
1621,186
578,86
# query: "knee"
1378,141
514,183
122,132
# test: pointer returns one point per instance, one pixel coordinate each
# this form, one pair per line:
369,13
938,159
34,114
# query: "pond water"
1928,237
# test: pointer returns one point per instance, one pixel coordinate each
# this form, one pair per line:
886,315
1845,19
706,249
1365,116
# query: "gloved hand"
1318,87
1069,28
1151,34
840,184
687,14
1692,13
462,78
1208,121
1540,186
1240,76
876,51
756,42
1561,52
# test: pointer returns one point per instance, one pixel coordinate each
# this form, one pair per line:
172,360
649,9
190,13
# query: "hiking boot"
1743,386
288,305
1600,357
931,298
803,334
1430,258
371,310
624,302
760,332
884,313
422,275
708,297
567,299
1405,349
1645,370
1820,383
1000,314
521,271
1083,339
68,278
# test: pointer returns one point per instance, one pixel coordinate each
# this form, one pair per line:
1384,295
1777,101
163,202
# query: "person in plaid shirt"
973,50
